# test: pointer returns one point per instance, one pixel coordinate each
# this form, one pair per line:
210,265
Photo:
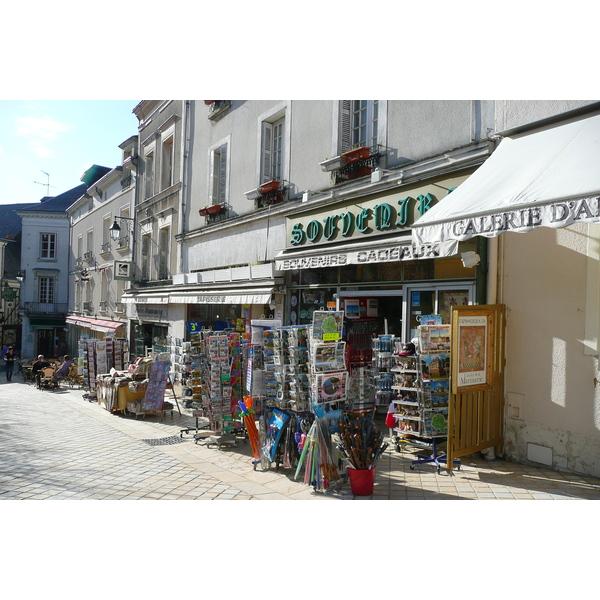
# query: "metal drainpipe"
184,169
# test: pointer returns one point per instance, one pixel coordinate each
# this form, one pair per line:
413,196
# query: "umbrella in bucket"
361,441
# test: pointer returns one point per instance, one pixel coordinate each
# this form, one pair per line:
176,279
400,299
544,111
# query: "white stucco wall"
553,401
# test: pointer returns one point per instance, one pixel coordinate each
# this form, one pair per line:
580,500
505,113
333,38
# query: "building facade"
101,251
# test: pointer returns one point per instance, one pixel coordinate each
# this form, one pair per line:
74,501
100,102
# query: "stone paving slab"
56,445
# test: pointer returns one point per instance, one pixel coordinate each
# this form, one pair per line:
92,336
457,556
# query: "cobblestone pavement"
56,445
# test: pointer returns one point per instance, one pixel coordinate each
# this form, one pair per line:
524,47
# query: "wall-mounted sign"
123,270
370,215
375,255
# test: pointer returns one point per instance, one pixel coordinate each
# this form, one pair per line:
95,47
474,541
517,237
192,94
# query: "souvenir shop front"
358,257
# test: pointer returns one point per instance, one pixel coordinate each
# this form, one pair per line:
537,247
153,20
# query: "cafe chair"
47,379
73,378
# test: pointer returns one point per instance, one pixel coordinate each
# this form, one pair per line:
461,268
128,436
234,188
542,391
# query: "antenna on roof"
47,184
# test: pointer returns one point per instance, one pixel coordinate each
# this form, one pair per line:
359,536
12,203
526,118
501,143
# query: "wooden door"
476,399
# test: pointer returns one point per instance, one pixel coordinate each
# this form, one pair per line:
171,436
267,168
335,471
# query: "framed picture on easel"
472,335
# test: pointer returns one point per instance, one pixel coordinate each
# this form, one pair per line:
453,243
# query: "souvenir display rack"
98,357
420,389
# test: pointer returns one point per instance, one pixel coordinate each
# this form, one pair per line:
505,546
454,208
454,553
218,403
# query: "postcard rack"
420,388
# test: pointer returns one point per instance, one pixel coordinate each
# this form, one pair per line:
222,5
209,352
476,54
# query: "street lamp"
20,275
115,228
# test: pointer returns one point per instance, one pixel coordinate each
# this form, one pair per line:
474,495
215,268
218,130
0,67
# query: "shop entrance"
397,312
44,342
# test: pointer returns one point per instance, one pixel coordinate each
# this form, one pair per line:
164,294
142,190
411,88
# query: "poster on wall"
472,335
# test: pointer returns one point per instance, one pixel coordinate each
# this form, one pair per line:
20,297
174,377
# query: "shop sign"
149,313
557,214
378,255
368,216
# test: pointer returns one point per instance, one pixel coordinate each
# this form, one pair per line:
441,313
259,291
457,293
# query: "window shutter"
163,267
222,174
214,158
267,141
346,126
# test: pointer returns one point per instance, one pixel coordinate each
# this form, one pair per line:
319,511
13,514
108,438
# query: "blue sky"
61,138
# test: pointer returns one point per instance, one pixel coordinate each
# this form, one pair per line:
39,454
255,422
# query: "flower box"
356,154
210,210
332,163
270,186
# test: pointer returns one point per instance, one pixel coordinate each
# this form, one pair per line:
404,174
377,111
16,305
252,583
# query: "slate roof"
57,204
10,221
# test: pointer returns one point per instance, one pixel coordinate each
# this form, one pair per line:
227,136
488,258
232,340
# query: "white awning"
549,178
374,251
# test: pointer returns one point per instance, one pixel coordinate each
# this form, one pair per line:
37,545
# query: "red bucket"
361,481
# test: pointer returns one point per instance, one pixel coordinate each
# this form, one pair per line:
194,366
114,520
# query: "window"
149,175
146,257
218,175
104,288
79,248
359,123
46,290
163,256
272,150
167,163
48,245
78,291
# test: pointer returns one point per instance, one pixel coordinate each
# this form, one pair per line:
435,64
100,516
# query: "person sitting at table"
38,367
63,370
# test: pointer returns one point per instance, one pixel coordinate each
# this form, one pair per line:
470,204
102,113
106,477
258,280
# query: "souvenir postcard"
331,387
329,356
436,423
435,366
327,325
434,338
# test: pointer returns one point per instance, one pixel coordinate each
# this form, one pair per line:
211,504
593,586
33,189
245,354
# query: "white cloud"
40,133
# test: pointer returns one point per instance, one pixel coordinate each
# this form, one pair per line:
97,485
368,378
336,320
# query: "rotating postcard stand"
421,387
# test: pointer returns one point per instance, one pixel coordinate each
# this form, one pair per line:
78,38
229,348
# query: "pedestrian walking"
9,359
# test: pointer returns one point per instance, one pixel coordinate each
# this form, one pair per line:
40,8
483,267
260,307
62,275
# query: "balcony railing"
45,308
105,249
103,304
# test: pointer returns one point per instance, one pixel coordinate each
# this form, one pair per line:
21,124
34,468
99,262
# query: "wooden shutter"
345,126
222,174
267,142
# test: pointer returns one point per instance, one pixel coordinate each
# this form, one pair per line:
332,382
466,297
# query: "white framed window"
218,177
46,290
79,247
273,135
167,160
106,224
163,252
104,286
145,251
149,174
78,292
48,246
359,124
